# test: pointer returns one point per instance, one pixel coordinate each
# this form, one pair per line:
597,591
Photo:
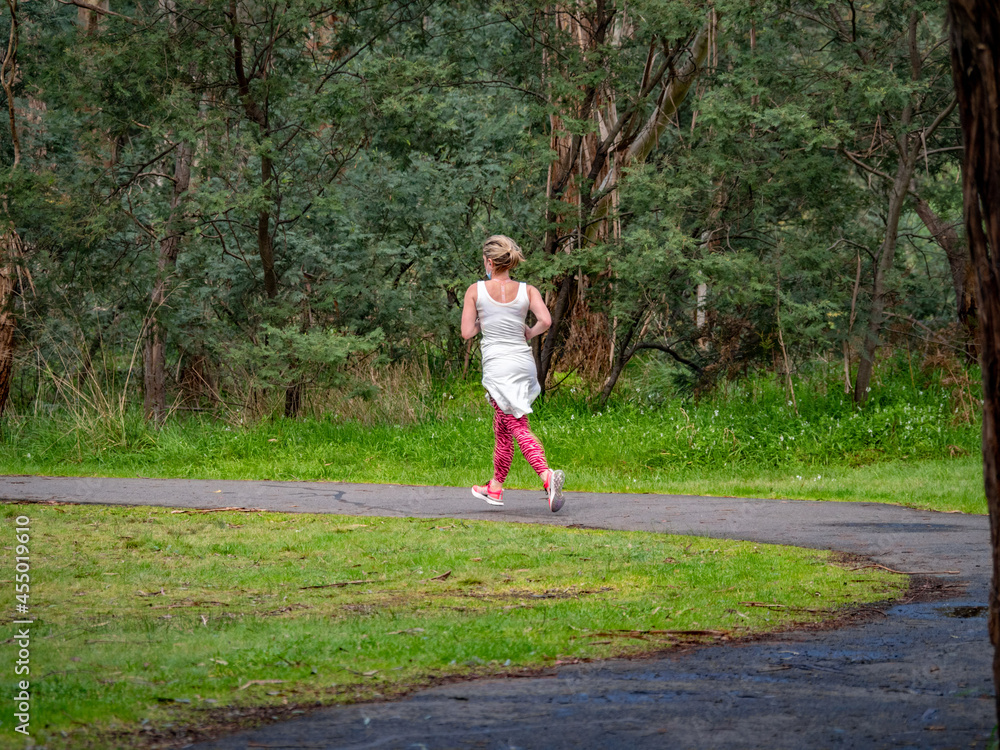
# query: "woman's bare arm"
542,318
470,316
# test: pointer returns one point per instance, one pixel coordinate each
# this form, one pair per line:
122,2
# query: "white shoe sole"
555,490
487,498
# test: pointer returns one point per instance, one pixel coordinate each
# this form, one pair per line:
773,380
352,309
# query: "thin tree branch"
864,166
941,117
668,349
99,10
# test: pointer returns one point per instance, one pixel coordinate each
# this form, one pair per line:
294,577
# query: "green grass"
948,485
149,620
915,443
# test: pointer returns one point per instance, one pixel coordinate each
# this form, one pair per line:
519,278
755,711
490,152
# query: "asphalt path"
917,676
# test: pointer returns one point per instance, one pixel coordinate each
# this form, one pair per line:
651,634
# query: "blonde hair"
503,251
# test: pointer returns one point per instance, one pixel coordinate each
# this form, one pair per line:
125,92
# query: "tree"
10,240
689,180
893,97
614,84
723,231
168,244
975,55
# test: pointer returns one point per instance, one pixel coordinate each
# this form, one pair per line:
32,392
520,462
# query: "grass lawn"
950,485
152,623
618,452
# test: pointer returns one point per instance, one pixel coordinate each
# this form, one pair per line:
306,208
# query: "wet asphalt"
915,676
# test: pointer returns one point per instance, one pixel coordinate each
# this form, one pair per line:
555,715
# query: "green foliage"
399,135
313,357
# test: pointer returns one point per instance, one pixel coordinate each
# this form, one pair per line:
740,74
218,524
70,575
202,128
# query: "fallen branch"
220,510
338,585
781,606
641,634
912,573
135,643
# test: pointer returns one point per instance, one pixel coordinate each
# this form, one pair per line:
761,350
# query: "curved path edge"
917,678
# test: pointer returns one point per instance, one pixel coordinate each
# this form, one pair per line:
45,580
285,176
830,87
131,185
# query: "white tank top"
509,373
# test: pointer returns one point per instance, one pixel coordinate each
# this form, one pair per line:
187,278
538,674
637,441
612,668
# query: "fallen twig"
177,605
641,634
259,682
338,585
913,572
781,606
233,509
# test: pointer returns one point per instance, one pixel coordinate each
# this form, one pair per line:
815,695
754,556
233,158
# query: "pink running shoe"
484,492
553,488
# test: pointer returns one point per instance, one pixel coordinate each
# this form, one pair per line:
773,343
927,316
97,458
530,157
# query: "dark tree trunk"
624,358
265,239
10,244
560,312
962,277
265,247
876,316
10,240
293,399
625,353
154,347
975,55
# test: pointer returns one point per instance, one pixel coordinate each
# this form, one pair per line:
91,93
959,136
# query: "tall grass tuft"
88,408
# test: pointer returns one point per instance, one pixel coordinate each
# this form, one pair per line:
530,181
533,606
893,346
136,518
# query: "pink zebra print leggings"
505,427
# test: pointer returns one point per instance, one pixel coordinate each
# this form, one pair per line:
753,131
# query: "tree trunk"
584,176
962,277
10,249
559,313
10,241
8,76
89,20
265,248
265,239
883,267
625,352
154,347
975,55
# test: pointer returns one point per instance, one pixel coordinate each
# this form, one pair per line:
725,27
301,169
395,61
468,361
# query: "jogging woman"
497,308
